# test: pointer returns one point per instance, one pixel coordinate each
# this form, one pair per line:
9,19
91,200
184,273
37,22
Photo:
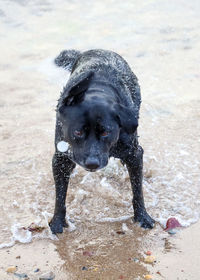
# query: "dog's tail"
67,58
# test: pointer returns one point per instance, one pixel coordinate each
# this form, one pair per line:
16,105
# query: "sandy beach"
173,255
160,40
181,260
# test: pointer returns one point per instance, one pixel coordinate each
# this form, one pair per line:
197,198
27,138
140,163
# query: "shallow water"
160,40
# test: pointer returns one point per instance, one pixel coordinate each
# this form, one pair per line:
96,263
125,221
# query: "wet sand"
160,40
177,256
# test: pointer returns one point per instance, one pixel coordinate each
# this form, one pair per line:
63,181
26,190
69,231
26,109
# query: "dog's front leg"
134,163
62,168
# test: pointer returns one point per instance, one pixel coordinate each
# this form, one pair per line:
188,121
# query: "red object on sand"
148,253
172,223
88,253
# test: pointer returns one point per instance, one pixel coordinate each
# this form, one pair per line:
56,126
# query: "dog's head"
91,121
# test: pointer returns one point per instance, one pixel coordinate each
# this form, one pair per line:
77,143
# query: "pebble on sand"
150,259
88,253
95,269
21,275
47,276
11,269
120,232
148,277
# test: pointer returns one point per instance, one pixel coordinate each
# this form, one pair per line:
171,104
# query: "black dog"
97,115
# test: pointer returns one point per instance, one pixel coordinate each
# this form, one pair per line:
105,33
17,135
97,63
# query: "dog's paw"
57,224
144,219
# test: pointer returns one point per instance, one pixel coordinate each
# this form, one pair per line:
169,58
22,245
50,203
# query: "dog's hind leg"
134,164
62,168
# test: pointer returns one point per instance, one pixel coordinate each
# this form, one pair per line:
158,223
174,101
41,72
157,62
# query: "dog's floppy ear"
127,117
74,92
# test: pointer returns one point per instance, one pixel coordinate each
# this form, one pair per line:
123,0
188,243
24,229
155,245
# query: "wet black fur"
97,114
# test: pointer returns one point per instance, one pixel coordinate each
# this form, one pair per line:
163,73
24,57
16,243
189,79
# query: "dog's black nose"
92,163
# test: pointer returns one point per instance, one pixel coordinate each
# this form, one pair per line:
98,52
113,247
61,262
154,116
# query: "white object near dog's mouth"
62,146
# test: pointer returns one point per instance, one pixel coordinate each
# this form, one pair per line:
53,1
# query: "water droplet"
62,146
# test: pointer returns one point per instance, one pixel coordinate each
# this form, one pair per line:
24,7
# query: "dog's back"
104,61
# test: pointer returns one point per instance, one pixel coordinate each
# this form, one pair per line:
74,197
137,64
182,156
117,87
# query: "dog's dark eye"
78,133
105,133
